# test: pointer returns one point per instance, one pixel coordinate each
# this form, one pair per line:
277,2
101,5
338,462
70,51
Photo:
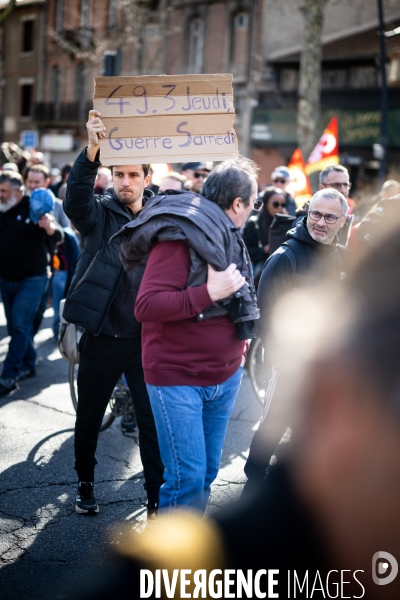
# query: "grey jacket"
211,236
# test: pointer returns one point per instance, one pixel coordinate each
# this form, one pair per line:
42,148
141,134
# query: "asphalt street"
45,546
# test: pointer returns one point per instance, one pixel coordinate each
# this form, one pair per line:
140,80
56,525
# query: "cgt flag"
326,152
299,185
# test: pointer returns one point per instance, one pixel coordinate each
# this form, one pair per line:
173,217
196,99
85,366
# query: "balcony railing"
62,112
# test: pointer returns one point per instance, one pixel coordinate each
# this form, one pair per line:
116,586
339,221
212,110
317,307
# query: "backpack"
68,338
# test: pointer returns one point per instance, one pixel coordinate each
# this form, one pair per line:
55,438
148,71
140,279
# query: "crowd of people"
172,284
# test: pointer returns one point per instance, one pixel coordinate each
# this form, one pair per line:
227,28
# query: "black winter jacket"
25,248
99,272
308,261
211,237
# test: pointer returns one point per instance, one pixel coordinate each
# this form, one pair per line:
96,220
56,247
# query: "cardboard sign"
166,118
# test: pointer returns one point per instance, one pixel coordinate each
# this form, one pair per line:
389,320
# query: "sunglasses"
278,204
197,175
279,180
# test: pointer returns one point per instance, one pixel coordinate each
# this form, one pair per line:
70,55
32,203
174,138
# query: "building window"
289,80
26,100
55,84
59,16
27,36
363,77
112,13
196,43
112,63
240,43
152,56
85,37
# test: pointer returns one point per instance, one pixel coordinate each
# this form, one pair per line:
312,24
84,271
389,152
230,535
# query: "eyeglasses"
336,185
315,215
258,204
279,180
277,204
197,175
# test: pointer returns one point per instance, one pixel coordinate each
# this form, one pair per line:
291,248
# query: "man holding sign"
101,299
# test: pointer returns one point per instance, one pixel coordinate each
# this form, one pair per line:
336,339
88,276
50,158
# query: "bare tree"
6,12
310,75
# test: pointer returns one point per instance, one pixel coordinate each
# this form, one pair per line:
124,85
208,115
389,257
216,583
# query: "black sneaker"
85,501
152,511
7,385
26,374
128,422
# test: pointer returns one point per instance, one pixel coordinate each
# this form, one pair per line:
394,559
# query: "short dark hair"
146,169
229,180
38,169
14,179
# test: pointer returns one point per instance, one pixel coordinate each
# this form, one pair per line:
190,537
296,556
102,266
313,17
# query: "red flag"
299,185
326,152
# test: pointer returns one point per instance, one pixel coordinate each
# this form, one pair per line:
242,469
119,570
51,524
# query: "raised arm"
79,204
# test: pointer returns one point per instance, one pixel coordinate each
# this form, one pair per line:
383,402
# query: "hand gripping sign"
166,118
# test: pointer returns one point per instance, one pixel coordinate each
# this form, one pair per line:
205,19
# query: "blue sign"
29,139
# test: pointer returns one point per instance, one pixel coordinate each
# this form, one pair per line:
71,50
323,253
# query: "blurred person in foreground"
332,503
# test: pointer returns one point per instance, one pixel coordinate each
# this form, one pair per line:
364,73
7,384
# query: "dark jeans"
272,428
21,300
103,359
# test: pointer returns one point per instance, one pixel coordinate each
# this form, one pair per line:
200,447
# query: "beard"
5,206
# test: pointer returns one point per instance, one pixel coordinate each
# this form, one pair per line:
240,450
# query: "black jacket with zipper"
101,297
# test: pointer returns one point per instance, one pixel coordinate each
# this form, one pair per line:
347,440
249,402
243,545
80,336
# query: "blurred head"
172,181
233,186
37,176
274,201
336,177
11,190
129,182
390,188
196,173
280,177
103,178
326,215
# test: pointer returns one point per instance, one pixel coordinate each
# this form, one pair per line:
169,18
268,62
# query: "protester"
310,254
172,181
24,273
256,231
103,180
281,178
338,178
38,176
101,299
197,305
195,173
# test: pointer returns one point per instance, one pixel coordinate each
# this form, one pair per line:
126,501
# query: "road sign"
29,139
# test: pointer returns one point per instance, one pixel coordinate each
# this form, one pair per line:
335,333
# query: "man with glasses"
196,173
336,177
311,254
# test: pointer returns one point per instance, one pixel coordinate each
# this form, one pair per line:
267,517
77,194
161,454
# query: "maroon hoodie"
178,349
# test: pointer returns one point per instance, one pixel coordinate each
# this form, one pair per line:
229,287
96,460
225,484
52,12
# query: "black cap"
194,166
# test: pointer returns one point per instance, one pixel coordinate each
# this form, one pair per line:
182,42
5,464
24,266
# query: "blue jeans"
191,424
58,284
21,300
